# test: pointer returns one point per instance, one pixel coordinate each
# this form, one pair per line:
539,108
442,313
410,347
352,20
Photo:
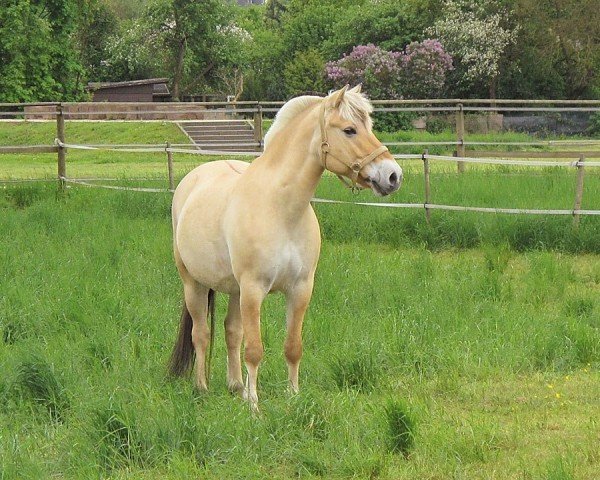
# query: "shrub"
305,73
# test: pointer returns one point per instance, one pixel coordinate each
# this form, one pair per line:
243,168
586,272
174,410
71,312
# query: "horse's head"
348,146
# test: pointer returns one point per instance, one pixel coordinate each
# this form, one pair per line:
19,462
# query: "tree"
558,51
305,73
418,72
37,59
424,69
476,34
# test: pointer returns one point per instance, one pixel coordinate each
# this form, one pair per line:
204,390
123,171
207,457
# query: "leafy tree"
97,23
37,58
388,23
305,73
185,40
558,51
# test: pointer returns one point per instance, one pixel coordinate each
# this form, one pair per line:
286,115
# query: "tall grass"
428,349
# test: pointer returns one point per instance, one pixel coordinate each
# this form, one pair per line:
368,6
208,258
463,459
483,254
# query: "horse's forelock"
356,108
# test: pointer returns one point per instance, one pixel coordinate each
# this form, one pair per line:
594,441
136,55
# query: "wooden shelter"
148,90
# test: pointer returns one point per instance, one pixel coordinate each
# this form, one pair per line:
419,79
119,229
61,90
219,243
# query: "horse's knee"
293,351
253,353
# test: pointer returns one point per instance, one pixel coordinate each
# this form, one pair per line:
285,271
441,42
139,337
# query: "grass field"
468,348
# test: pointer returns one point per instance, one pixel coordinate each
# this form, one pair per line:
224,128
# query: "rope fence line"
431,206
408,156
576,212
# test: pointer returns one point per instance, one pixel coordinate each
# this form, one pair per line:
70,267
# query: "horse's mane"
354,107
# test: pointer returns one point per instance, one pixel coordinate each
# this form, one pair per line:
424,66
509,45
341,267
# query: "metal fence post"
460,136
62,151
578,192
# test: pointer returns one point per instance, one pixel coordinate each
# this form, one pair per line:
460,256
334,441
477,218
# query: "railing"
462,155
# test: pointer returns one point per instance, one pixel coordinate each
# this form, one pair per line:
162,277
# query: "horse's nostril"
393,178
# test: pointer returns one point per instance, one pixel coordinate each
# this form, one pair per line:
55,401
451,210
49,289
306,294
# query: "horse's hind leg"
233,338
297,302
196,300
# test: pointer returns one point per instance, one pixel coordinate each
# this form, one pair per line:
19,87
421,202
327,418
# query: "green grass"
466,348
419,362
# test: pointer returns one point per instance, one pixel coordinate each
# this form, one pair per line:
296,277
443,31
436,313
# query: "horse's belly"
200,242
210,266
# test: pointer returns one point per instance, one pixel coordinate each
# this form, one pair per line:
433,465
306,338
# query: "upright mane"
354,107
289,110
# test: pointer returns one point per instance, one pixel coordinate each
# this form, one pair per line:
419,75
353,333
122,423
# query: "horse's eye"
350,131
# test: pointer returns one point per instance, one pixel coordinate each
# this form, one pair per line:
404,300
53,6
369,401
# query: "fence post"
460,136
170,166
258,130
62,151
578,191
427,185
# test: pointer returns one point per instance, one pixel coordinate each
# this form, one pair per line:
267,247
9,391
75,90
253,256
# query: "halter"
356,166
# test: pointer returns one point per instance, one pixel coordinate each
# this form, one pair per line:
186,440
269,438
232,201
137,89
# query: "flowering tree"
476,34
418,72
377,69
424,68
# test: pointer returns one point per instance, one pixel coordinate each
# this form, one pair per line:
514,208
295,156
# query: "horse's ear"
356,89
339,96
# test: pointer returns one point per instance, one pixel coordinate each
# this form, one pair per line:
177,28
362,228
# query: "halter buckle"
325,147
355,167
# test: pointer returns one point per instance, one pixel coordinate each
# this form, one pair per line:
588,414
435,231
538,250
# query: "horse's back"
216,176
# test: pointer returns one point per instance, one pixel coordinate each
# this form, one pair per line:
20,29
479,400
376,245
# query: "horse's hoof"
236,388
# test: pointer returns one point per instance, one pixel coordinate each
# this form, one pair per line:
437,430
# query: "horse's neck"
292,167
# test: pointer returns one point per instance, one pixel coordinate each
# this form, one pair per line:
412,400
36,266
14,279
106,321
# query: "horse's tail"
183,353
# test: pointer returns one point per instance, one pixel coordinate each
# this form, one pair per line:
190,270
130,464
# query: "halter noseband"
356,166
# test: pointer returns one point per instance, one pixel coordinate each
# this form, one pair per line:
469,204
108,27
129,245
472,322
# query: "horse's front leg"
233,338
252,295
297,302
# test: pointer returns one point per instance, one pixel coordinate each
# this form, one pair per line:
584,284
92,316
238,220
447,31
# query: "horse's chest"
287,265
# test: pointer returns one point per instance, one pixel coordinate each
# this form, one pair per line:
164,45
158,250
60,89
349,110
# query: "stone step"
216,123
222,138
231,148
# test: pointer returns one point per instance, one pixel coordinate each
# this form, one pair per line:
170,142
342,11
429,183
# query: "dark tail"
182,357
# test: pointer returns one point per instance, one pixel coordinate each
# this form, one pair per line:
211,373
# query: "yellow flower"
557,395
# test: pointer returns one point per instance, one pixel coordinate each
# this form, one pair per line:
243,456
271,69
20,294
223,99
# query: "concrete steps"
222,135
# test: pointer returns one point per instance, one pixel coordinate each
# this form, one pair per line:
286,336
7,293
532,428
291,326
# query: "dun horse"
249,229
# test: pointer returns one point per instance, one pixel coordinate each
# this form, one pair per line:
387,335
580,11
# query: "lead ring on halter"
355,166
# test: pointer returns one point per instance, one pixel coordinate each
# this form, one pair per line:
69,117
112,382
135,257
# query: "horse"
247,230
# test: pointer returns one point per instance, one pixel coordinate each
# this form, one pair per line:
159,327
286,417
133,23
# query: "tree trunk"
178,74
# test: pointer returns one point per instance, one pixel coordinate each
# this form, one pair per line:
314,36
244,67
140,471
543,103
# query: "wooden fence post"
170,166
578,191
427,185
258,129
62,151
460,136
